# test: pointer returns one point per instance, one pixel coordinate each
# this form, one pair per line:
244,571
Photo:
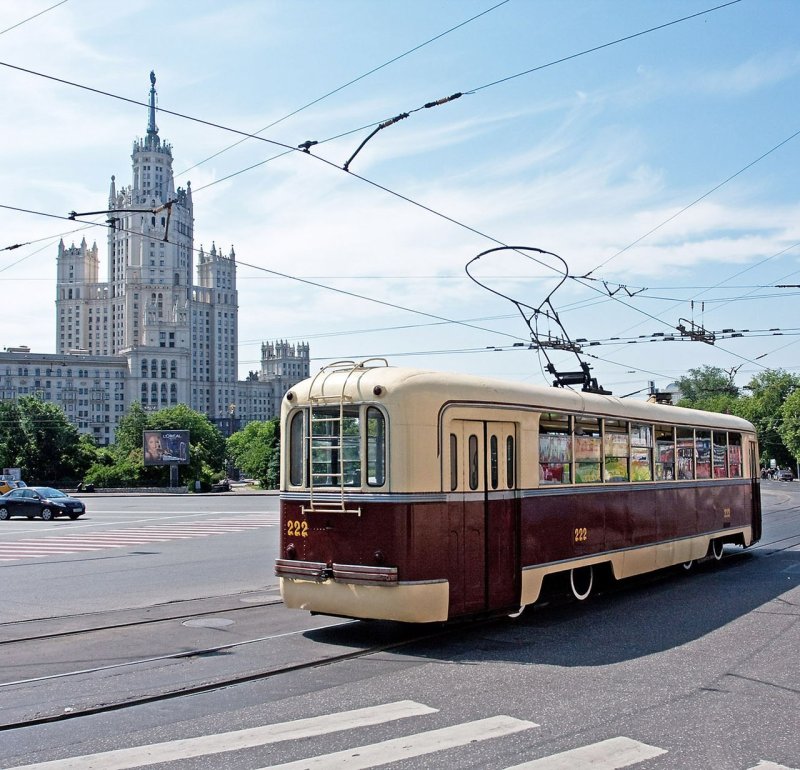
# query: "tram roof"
436,389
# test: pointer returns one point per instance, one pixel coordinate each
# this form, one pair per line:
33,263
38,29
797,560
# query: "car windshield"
49,492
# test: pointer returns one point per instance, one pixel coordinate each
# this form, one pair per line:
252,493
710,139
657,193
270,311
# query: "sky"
653,158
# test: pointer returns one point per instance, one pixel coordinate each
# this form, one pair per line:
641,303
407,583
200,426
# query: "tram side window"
296,446
335,447
735,455
473,462
494,473
720,454
453,462
616,450
641,452
665,453
685,444
702,443
376,447
587,447
510,462
555,449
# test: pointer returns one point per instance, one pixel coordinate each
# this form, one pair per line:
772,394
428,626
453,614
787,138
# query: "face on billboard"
163,447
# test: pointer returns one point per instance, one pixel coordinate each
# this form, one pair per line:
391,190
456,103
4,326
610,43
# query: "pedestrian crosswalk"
68,543
610,754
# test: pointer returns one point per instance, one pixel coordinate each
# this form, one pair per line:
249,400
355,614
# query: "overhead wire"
294,112
306,281
721,283
346,85
694,202
289,148
600,47
31,18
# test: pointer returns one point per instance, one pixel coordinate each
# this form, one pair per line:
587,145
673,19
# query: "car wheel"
47,514
4,514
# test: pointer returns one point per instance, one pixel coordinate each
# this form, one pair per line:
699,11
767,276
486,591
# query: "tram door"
483,521
755,488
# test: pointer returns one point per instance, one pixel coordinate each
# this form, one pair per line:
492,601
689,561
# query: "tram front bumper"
354,591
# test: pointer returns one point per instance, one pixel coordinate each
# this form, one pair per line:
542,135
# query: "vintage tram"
420,496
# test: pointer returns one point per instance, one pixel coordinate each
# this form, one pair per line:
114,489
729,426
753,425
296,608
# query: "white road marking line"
764,765
157,533
52,551
605,755
376,754
171,751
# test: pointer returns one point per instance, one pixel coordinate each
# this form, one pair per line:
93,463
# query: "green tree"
123,463
256,450
769,391
128,436
12,439
48,447
85,456
709,388
790,426
206,443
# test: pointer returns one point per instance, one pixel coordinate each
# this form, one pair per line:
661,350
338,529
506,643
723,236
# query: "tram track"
315,655
14,626
218,683
368,639
792,540
211,684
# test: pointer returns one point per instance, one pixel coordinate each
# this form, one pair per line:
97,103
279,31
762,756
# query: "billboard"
165,447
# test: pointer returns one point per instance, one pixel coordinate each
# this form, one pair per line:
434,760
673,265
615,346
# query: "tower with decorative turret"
180,339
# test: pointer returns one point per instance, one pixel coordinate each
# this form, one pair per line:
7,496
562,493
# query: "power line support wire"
544,342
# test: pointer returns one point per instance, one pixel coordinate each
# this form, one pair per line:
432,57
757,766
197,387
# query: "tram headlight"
291,551
379,557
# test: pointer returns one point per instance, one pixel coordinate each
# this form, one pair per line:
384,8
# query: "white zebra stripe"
204,745
416,745
605,755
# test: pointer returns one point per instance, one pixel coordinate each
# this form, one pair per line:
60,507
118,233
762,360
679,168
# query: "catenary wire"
288,148
308,282
694,202
600,47
31,18
345,85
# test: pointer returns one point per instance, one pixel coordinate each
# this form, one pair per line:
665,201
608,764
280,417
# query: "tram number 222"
295,528
581,534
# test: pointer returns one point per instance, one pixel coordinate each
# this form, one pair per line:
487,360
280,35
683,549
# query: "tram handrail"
340,398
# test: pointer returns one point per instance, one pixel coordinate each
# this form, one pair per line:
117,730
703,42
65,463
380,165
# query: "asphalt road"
138,551
676,670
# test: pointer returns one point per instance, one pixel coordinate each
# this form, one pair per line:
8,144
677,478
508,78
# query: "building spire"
152,128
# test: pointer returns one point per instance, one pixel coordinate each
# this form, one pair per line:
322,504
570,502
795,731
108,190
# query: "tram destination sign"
165,447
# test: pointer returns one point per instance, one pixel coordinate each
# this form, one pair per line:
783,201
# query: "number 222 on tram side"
420,496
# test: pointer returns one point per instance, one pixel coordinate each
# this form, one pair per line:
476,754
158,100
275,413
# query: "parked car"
785,474
6,485
39,501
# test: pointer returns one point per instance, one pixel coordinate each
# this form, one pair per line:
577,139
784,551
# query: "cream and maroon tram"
421,496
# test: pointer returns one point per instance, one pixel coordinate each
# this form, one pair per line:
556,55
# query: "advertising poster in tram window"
165,447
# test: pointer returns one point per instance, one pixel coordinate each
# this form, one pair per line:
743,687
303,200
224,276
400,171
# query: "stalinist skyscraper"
177,332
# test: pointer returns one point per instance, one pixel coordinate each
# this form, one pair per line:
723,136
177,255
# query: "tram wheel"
515,615
581,581
717,547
